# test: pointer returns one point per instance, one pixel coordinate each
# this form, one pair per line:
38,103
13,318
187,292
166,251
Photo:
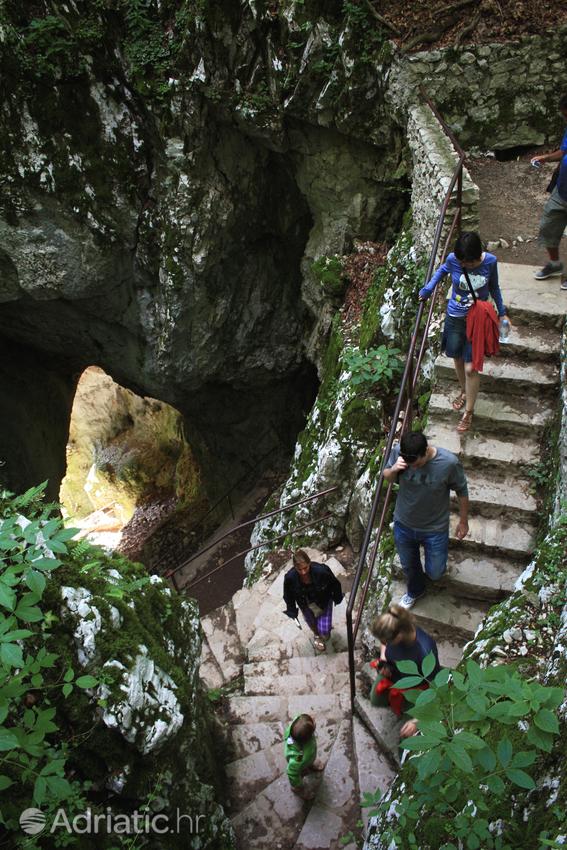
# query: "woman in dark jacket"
313,588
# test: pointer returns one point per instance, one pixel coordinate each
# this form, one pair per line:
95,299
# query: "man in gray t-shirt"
426,475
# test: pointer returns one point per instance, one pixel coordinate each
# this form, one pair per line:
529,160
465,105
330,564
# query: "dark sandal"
465,422
459,402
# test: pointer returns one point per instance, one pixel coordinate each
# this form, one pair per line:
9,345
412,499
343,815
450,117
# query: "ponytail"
395,621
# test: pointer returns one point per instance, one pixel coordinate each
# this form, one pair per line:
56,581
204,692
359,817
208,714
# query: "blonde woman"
400,640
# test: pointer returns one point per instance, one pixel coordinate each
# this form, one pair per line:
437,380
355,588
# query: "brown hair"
300,555
396,620
302,728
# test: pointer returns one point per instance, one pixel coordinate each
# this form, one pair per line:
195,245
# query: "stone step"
246,603
273,819
507,376
477,450
329,682
499,496
497,536
244,739
223,638
383,725
450,652
527,342
510,415
375,773
249,775
336,808
267,709
474,577
536,303
209,670
444,615
313,664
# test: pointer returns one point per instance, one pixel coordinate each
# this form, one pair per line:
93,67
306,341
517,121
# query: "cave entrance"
128,464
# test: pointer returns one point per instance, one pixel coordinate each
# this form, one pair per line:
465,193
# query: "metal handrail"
407,388
258,546
172,573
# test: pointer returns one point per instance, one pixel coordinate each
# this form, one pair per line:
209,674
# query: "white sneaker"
408,601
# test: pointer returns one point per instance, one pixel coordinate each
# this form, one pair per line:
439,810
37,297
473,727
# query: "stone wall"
434,160
498,96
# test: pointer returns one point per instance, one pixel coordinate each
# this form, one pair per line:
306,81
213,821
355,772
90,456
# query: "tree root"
469,28
431,36
380,18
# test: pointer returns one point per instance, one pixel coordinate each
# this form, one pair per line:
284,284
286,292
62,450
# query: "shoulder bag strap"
471,290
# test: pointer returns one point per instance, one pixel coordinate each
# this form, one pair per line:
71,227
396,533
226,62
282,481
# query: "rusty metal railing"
171,574
402,416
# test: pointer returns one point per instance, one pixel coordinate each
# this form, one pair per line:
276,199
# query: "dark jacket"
324,588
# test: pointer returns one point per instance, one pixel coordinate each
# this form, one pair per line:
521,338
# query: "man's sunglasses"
409,458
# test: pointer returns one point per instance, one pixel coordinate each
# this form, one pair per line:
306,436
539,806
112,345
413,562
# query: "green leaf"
469,740
58,786
67,689
428,664
69,675
460,758
428,763
419,743
29,613
458,680
553,697
409,682
408,667
546,721
473,841
86,682
474,672
523,758
39,790
521,778
11,655
16,634
5,782
442,677
504,752
486,758
35,581
496,785
435,729
8,740
7,596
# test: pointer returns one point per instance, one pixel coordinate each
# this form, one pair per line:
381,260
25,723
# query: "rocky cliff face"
172,172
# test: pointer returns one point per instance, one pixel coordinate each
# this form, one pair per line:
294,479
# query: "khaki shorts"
553,221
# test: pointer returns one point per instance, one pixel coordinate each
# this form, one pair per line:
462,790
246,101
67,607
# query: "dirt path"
512,196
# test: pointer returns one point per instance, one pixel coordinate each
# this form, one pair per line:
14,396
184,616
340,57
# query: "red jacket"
483,330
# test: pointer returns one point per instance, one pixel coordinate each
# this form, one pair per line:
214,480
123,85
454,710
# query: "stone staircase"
516,401
283,675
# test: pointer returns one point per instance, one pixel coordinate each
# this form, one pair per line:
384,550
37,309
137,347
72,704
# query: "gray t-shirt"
423,497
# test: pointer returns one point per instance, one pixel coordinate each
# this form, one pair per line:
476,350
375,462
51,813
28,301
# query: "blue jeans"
436,547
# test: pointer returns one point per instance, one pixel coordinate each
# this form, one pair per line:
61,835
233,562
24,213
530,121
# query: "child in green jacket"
300,751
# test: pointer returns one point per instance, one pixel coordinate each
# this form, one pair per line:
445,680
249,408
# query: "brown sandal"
459,402
465,422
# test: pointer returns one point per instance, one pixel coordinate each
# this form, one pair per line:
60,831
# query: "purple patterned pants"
322,624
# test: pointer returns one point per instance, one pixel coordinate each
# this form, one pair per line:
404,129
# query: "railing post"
460,200
409,407
351,667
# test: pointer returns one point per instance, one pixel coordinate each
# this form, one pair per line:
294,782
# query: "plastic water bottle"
504,329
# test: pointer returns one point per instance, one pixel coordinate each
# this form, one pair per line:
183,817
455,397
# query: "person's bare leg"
472,387
553,254
460,370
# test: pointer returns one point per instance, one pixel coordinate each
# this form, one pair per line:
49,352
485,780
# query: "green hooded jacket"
298,758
